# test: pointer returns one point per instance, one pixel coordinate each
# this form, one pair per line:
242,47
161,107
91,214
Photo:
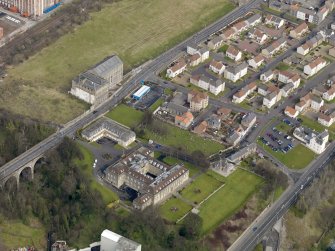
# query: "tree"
191,229
200,159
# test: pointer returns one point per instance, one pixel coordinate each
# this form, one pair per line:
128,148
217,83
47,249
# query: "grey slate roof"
117,130
106,65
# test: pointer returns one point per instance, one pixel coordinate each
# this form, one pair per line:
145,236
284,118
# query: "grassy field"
135,30
14,234
177,137
200,188
239,186
86,165
126,115
173,209
297,158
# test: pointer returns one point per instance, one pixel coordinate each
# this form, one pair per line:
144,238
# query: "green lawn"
86,165
282,66
284,127
135,30
126,115
173,209
157,104
224,48
216,176
297,158
239,186
171,161
200,188
14,234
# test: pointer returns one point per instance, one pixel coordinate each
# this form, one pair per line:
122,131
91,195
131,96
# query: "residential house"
208,84
176,69
174,109
258,35
274,47
240,26
316,102
291,112
304,49
326,119
184,121
315,141
254,20
214,122
195,60
192,49
217,67
310,15
204,54
267,76
198,100
215,43
287,77
315,66
302,13
216,87
256,61
239,96
299,31
329,94
249,119
228,34
311,43
310,101
286,89
235,137
233,53
273,96
201,128
272,20
234,73
223,112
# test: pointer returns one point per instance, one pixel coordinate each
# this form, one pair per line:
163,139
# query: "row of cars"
277,141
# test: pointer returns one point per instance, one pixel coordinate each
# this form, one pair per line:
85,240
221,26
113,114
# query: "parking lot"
278,136
148,99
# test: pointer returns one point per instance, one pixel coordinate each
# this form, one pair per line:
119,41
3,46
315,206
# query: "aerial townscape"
167,125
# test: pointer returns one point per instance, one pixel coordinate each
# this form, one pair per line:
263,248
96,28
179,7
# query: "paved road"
156,64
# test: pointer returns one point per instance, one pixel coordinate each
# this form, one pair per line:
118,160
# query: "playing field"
135,30
126,115
200,188
239,186
173,209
